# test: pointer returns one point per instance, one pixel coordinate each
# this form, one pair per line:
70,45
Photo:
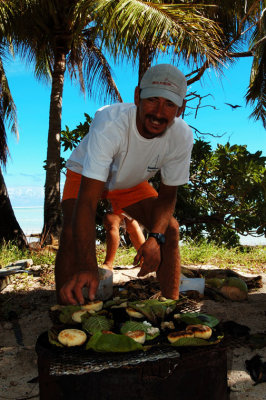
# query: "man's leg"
111,224
169,271
135,232
65,256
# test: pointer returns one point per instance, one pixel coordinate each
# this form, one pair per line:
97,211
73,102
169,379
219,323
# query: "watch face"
158,236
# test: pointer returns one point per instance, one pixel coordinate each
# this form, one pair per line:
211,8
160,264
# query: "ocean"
31,222
30,219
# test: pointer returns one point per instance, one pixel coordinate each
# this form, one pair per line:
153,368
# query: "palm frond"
98,73
7,106
180,26
256,93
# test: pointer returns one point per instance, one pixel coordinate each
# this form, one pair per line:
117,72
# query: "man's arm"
85,270
162,211
163,208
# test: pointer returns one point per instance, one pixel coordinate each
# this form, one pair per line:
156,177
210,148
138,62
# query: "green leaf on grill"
197,318
112,342
138,326
96,323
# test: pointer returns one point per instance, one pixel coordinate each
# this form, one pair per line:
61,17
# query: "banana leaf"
198,318
154,309
197,341
112,342
66,314
96,323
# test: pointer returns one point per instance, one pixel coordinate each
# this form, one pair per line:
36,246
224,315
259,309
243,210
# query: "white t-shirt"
114,152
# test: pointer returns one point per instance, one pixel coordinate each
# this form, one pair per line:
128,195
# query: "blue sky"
25,176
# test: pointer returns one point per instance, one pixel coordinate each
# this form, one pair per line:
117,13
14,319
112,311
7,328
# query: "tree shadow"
24,302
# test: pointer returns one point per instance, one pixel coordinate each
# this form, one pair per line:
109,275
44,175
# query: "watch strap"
158,236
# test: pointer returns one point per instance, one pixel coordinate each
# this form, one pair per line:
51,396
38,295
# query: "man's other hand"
148,257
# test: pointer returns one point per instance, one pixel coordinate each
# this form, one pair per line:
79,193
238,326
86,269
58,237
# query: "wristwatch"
158,236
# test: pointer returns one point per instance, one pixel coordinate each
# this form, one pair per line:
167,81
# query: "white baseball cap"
164,80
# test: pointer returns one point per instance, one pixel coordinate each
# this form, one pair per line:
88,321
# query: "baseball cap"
164,80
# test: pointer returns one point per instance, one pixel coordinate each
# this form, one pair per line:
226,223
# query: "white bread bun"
56,307
95,305
133,313
138,336
76,316
72,337
200,331
173,337
122,305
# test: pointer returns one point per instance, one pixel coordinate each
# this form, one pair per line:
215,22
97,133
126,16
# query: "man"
126,146
112,222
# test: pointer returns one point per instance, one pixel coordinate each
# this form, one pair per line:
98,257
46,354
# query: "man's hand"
71,292
148,257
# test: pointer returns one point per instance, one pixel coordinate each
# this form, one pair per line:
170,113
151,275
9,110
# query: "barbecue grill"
161,373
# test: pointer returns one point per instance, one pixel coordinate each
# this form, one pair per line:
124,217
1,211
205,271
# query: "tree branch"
199,72
249,53
207,133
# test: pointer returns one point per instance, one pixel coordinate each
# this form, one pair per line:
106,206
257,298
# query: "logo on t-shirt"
153,166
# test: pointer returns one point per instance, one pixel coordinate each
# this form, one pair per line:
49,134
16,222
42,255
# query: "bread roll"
76,316
72,337
56,307
95,305
133,313
138,336
200,331
173,337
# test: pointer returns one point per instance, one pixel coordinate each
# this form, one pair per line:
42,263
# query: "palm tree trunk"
52,207
10,229
146,55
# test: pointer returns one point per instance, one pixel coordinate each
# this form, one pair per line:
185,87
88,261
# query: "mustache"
160,120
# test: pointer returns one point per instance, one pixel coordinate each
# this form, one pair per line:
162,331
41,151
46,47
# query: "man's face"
154,115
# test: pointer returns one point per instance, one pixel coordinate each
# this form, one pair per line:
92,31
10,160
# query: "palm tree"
10,229
56,37
68,35
244,26
257,86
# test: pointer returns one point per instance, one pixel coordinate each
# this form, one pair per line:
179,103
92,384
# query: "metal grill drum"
160,373
195,373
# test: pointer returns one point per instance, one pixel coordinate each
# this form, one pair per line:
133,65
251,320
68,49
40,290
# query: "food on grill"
122,305
95,305
167,325
121,325
200,331
173,337
133,313
76,316
151,330
138,336
97,323
72,337
56,307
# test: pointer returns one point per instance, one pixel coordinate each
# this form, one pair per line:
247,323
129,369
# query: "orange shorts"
119,198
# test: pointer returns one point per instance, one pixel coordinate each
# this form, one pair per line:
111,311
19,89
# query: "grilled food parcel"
119,325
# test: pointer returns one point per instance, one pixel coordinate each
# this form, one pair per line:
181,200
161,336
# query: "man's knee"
131,225
111,222
173,229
